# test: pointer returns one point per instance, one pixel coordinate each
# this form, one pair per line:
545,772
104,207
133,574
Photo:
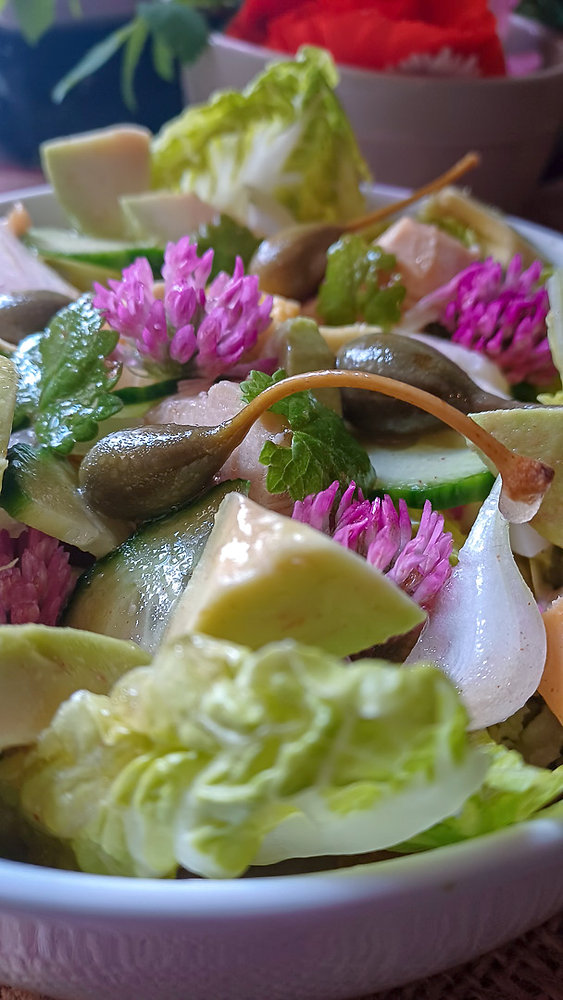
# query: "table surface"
526,969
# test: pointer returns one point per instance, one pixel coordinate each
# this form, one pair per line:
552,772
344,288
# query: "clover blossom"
194,328
382,534
35,578
503,315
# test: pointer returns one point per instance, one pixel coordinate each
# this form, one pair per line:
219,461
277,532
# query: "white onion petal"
485,630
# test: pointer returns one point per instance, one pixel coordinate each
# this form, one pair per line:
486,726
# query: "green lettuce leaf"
284,141
360,284
512,791
322,449
215,757
64,378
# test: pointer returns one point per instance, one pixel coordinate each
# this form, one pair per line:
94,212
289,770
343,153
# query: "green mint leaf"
95,58
228,240
257,382
65,381
360,284
322,449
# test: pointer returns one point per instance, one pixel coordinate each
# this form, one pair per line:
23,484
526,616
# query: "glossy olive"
408,360
293,262
23,313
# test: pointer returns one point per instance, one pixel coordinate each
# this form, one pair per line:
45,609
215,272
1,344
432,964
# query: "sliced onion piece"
485,630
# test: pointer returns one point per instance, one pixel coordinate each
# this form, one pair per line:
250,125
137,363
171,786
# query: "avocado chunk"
263,577
8,386
165,215
130,593
41,666
538,433
89,173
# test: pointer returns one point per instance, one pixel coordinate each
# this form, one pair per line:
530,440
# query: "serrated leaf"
95,58
65,381
322,449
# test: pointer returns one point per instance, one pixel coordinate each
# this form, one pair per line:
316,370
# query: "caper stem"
467,162
525,480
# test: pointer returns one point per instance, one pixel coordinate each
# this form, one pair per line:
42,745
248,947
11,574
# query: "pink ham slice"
214,405
426,256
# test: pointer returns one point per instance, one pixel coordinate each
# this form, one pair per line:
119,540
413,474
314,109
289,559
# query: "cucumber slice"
41,490
8,387
148,393
65,244
130,594
438,467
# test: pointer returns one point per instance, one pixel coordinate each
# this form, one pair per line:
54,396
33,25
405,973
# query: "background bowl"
411,128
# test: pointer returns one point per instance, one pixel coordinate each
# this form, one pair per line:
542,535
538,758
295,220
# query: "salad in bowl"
280,573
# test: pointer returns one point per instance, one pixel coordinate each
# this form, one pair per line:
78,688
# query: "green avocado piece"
165,215
89,173
8,386
538,433
41,666
263,577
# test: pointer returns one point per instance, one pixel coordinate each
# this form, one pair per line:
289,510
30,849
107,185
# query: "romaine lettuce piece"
216,757
283,147
512,791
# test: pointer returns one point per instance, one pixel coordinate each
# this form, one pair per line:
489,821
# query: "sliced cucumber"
147,393
438,467
8,387
130,594
41,490
54,243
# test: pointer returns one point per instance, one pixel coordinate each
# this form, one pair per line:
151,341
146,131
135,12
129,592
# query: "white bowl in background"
412,128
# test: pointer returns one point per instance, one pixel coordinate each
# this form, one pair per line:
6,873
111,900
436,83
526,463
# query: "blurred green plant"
177,30
548,11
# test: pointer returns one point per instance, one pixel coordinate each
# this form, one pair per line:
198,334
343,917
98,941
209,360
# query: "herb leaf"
321,450
360,284
64,379
229,240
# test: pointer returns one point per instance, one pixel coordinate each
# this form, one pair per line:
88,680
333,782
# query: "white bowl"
311,937
326,936
411,128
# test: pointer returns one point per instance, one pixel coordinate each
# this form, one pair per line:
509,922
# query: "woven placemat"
530,968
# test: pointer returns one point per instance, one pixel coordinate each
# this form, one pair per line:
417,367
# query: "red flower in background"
378,35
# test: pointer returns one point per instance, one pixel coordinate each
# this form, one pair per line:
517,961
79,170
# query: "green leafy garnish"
229,240
360,284
321,449
64,380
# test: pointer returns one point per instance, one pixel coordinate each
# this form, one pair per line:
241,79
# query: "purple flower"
35,578
205,329
503,315
382,534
